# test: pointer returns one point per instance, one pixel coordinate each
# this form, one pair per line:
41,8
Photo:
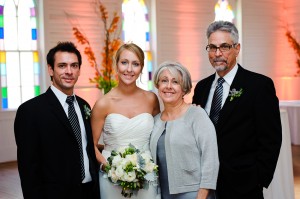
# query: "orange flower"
296,46
105,77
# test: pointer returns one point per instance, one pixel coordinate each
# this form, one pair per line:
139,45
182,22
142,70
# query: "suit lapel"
58,110
206,90
229,106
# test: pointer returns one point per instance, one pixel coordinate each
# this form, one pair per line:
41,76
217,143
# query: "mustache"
68,77
220,60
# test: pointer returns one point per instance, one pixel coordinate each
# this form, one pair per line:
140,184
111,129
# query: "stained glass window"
19,60
223,11
136,29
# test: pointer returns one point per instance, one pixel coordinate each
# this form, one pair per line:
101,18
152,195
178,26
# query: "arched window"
19,62
136,29
223,11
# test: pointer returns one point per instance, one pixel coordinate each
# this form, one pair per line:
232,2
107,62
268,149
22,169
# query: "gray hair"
178,71
225,26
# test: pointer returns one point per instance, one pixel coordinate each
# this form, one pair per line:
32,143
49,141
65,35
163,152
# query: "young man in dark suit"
56,157
245,111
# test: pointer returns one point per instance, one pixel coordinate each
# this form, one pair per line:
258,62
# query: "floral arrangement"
131,169
105,77
233,93
296,46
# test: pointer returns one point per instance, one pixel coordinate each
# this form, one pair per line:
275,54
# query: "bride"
124,116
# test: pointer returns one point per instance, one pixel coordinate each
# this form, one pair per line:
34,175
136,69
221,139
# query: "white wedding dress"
120,131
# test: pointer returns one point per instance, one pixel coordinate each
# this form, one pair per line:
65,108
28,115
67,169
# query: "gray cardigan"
191,150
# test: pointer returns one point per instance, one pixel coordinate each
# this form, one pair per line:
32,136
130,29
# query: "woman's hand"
202,193
102,166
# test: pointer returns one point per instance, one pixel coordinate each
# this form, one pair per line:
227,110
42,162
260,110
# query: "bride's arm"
154,103
98,116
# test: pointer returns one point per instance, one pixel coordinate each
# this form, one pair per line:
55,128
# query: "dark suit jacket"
48,154
248,132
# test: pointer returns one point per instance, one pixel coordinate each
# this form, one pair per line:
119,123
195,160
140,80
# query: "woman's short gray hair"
178,71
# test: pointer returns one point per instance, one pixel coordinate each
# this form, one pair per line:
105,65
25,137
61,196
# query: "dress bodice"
120,130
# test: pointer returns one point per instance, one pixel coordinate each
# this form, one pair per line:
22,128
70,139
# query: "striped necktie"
217,102
73,118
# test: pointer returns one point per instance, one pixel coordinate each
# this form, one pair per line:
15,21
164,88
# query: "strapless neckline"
119,130
129,118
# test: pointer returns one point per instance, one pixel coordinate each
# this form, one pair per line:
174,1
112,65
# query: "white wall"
8,149
181,27
265,46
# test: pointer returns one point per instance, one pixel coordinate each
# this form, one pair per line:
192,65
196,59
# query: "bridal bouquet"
131,169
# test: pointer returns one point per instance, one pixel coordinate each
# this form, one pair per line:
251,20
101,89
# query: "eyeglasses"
223,47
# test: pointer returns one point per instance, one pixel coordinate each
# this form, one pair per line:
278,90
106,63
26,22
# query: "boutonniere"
87,111
233,93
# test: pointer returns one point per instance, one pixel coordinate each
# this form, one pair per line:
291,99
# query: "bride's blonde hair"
133,48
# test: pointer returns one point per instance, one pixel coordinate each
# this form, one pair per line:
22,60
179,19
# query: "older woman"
183,142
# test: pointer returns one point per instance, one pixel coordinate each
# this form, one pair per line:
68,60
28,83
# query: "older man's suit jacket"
248,132
48,154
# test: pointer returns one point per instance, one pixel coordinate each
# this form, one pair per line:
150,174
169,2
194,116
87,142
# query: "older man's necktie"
73,118
217,102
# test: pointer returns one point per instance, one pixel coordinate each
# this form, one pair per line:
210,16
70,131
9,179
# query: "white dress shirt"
62,99
226,87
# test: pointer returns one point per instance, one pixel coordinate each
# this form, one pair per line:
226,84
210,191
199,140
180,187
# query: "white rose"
129,177
132,158
149,167
116,161
113,176
124,163
119,171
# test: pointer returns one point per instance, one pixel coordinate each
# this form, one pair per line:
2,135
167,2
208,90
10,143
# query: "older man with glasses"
245,111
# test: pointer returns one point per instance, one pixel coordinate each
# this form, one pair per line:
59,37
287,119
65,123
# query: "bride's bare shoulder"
151,96
105,101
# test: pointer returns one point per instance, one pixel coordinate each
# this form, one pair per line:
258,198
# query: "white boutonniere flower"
87,111
233,93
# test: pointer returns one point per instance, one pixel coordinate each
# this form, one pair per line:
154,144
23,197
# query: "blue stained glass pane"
33,34
1,33
36,68
4,103
147,36
3,69
149,66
